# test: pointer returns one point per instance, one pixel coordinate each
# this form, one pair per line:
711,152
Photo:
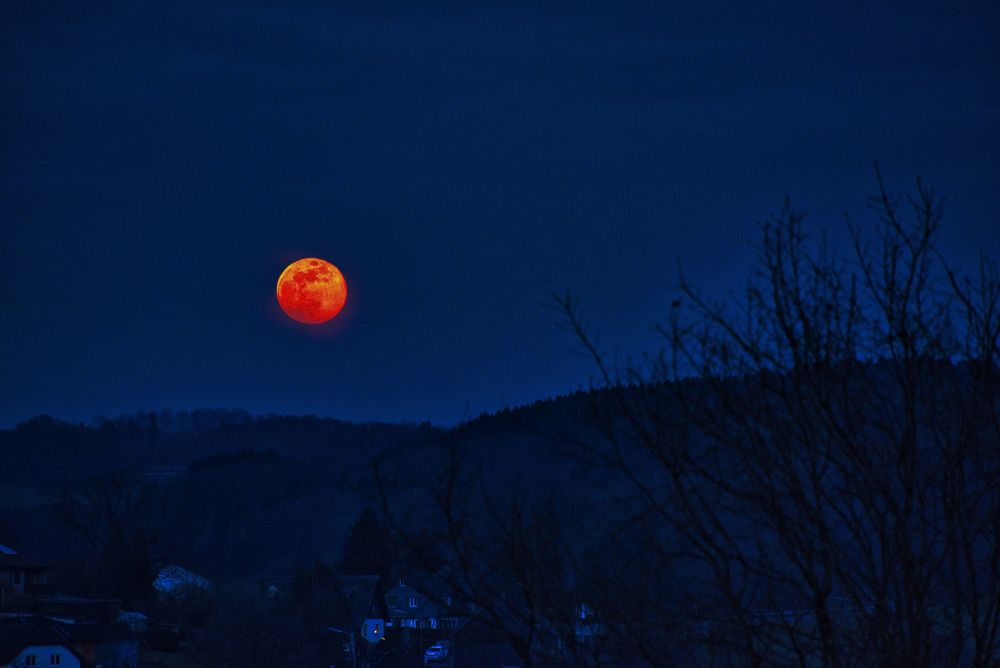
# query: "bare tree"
803,476
115,513
822,454
500,555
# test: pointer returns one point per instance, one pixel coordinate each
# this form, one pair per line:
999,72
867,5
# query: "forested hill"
242,494
48,447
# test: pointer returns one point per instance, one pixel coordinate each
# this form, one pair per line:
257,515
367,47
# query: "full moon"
311,290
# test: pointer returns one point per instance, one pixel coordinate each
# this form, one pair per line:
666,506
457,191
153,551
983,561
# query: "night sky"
163,162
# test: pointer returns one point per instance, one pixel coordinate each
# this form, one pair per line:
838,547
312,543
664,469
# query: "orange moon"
311,290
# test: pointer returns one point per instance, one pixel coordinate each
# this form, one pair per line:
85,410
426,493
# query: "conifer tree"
366,550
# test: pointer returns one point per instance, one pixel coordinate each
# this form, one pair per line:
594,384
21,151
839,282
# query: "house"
32,640
422,608
30,645
18,574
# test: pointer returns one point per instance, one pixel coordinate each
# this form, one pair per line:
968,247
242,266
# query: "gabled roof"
11,559
16,633
430,603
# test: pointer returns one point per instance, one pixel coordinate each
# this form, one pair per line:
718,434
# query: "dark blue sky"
162,162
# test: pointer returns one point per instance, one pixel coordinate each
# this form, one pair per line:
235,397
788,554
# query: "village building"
34,640
419,614
19,574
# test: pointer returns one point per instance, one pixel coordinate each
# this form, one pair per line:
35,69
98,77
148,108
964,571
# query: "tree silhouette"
320,600
115,514
805,476
822,455
366,549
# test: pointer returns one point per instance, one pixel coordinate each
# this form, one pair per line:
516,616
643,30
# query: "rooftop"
20,631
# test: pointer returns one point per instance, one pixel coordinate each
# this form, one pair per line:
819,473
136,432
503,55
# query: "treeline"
44,447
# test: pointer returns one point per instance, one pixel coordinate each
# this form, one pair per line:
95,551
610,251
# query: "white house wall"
42,657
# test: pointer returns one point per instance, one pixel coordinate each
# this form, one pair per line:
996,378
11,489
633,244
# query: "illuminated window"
413,601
